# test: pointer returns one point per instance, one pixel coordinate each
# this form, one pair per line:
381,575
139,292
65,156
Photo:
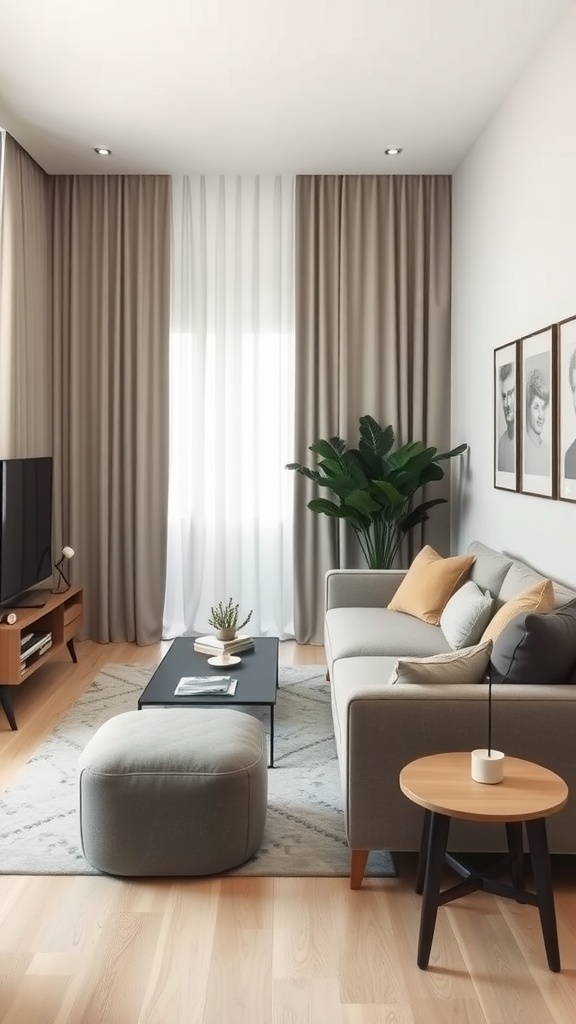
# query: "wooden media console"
60,616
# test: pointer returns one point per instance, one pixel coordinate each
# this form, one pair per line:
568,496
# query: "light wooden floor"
85,950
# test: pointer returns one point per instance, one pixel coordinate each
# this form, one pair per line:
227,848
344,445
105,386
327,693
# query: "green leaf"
327,449
332,468
393,497
338,479
400,458
450,455
405,482
375,439
353,465
431,472
362,502
338,444
325,507
312,474
419,514
359,523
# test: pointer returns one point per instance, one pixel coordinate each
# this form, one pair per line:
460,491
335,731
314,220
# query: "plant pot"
227,633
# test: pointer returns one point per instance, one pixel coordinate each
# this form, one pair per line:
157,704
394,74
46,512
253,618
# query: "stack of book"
212,645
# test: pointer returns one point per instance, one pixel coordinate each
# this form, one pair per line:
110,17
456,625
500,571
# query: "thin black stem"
490,716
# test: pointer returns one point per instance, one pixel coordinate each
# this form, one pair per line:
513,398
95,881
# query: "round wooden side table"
528,794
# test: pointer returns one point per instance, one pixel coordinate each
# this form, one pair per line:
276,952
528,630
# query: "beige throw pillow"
429,584
539,598
468,665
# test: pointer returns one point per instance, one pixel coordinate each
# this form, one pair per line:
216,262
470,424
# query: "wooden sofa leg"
357,868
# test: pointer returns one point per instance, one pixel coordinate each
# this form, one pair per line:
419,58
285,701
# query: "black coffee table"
257,675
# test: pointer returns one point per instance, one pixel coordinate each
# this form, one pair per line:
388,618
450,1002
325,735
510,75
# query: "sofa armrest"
379,728
362,588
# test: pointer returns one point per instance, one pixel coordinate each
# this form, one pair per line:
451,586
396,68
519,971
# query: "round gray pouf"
173,791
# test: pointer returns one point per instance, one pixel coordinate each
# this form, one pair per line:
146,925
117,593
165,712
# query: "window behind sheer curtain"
231,402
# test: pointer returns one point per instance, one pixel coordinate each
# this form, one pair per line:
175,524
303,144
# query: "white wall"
514,259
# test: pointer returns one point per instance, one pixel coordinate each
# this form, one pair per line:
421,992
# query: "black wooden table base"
433,856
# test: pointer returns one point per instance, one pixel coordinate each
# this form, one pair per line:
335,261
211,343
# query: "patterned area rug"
304,828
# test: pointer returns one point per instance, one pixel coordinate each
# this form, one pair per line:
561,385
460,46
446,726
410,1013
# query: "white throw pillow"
468,665
466,615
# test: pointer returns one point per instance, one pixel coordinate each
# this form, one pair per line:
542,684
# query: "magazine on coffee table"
213,686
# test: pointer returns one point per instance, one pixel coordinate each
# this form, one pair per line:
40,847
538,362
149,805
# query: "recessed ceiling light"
393,151
102,151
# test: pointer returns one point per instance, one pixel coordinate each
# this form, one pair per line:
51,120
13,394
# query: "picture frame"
537,413
506,390
566,440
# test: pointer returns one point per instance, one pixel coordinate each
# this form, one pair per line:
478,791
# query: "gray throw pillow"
466,616
536,647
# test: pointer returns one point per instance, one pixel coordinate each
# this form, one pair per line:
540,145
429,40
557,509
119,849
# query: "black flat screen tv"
25,529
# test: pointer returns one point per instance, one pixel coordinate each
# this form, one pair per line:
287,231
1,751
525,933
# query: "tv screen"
25,525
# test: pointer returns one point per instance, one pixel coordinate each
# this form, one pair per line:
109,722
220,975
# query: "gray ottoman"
173,792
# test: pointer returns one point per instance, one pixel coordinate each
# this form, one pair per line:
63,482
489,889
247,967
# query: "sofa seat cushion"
378,632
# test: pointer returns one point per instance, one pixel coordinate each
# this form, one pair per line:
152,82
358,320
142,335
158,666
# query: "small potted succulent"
224,618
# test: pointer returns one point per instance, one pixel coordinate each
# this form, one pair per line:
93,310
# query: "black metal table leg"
439,828
70,646
8,707
542,871
423,855
271,765
516,849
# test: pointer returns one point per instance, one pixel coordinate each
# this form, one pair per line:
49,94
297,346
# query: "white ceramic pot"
228,633
487,767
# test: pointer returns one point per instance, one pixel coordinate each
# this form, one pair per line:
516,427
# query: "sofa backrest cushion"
520,577
538,598
468,665
563,595
537,648
429,584
490,567
466,615
517,578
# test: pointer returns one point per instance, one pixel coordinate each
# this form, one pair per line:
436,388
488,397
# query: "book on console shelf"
33,643
212,645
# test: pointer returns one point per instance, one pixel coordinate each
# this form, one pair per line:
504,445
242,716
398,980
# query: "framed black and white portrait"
537,413
505,432
567,409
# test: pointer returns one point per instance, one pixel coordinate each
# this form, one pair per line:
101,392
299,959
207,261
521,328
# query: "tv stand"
59,615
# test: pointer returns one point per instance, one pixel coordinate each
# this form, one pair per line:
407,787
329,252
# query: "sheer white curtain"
232,402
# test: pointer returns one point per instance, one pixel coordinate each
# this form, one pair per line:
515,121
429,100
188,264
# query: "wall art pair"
535,413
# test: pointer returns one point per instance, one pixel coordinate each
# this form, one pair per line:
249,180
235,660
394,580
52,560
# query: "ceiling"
260,86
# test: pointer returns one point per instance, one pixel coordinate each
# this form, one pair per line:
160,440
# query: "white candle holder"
487,766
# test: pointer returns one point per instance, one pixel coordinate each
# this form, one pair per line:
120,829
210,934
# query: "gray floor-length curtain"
25,304
372,337
111,260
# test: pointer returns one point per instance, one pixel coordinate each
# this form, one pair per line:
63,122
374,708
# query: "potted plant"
224,618
375,486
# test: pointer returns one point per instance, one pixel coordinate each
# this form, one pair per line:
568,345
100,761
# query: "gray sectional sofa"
380,727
